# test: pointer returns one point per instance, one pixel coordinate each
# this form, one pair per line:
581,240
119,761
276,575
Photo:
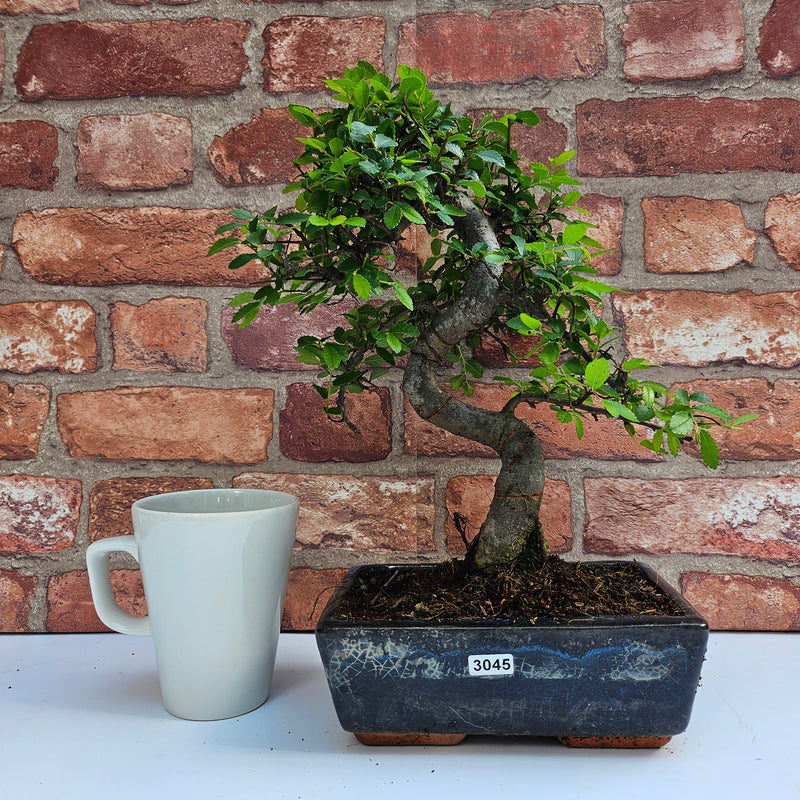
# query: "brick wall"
128,126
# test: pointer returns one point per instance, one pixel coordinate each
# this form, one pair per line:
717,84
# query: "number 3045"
491,664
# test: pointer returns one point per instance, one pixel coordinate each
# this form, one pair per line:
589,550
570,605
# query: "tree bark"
512,524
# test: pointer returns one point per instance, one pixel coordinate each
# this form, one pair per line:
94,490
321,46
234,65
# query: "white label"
492,664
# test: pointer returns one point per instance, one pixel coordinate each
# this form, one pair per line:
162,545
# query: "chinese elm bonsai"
508,257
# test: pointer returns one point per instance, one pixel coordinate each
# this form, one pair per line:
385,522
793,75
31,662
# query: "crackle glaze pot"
616,681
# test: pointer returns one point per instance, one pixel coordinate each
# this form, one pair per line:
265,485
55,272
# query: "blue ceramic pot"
630,677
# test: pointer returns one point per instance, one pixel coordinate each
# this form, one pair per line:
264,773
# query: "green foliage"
391,156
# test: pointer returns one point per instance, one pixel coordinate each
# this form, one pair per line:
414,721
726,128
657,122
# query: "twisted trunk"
512,524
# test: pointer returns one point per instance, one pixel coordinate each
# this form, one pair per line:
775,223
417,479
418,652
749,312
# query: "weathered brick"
302,52
753,517
779,48
306,595
259,152
18,7
782,225
371,513
771,437
48,335
603,439
134,151
38,515
73,60
164,423
682,39
693,328
670,135
686,234
511,46
164,335
23,410
110,246
469,497
307,433
28,150
111,501
743,602
268,342
16,595
69,600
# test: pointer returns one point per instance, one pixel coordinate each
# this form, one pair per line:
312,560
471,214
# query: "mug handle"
100,583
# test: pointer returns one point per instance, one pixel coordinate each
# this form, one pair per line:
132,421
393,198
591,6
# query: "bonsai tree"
508,257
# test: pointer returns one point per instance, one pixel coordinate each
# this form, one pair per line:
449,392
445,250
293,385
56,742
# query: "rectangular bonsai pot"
625,677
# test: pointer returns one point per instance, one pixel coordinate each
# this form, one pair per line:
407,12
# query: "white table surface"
81,717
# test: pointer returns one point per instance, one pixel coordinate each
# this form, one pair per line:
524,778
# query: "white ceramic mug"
214,565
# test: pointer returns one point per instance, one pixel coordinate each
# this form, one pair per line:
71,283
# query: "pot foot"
622,742
382,739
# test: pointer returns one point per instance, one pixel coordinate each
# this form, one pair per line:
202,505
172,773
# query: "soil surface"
529,589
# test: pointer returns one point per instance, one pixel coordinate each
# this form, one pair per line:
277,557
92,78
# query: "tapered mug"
214,565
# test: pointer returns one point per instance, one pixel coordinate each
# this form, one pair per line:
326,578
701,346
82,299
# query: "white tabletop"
81,717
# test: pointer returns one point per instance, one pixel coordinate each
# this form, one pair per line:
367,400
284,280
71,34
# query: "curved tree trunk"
513,520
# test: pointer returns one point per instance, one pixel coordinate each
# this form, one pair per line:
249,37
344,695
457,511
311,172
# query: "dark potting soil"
526,590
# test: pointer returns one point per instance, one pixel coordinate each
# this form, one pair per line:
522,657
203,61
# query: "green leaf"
708,449
355,222
361,286
402,295
394,342
743,418
392,217
492,157
240,213
383,142
681,424
411,214
618,410
597,372
361,93
303,114
574,233
478,189
222,244
562,159
241,260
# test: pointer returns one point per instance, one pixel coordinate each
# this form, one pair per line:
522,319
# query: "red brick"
782,225
139,151
779,49
511,46
16,595
19,7
670,135
470,496
164,335
23,411
742,602
73,60
686,234
768,438
112,246
28,150
259,152
111,501
38,515
603,439
682,39
48,335
165,423
693,328
307,433
268,342
301,52
370,513
752,517
69,600
306,595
